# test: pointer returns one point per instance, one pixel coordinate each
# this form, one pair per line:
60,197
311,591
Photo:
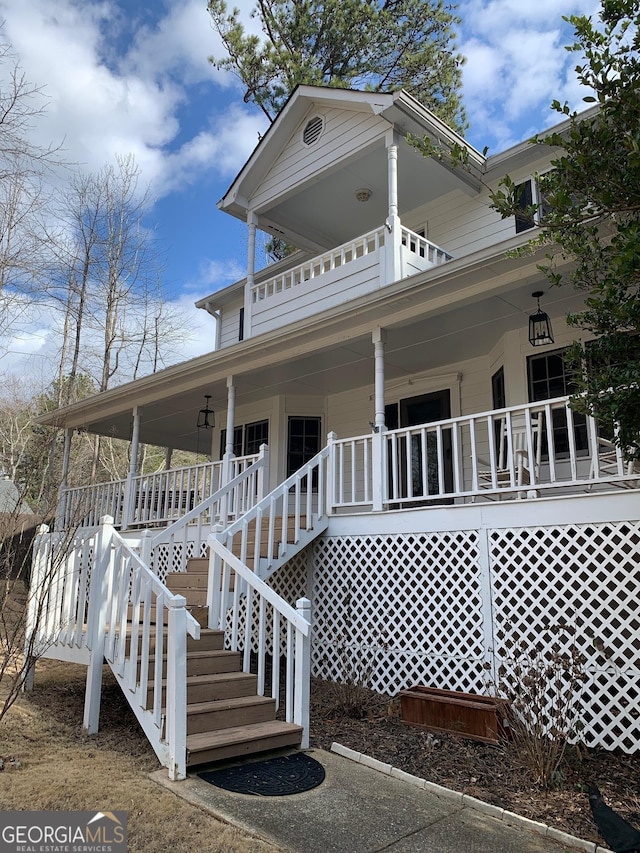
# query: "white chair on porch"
609,462
517,459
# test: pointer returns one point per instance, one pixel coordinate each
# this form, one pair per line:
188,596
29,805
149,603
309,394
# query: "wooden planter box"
465,714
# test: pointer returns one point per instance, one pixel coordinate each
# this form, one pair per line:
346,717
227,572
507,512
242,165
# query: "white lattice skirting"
444,609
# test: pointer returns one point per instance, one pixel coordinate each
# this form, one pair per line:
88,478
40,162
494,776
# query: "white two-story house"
394,472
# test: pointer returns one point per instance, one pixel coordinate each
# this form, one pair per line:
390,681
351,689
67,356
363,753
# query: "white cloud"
516,66
101,103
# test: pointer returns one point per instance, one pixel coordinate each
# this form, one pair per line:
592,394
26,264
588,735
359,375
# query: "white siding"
462,224
346,132
354,279
230,324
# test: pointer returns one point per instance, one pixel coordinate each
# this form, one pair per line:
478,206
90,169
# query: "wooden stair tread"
212,678
241,734
228,704
197,654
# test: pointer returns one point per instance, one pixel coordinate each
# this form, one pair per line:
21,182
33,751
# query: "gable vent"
313,130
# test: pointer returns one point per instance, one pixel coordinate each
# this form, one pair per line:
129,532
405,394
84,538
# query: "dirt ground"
494,774
50,764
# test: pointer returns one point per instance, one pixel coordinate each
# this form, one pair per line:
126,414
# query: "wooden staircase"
226,718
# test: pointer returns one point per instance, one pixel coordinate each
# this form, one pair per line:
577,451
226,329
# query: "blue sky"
132,76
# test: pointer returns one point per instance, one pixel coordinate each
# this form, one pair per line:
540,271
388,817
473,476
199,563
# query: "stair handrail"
262,507
222,561
297,622
123,590
168,534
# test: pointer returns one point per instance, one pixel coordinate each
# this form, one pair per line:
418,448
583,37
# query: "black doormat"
276,777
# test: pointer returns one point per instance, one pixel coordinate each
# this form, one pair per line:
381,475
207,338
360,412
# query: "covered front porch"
520,452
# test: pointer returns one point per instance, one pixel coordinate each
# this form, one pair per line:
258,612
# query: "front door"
413,411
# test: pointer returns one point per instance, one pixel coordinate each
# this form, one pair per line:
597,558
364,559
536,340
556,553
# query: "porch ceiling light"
206,416
540,332
363,194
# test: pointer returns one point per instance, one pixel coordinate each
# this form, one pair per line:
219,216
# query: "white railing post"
214,580
331,472
302,689
378,469
35,606
145,547
97,622
129,502
177,687
263,473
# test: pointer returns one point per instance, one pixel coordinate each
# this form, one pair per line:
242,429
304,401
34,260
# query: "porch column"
231,422
393,239
66,455
378,458
135,441
228,455
252,223
129,502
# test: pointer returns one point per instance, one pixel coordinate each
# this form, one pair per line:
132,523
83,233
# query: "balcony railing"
319,266
354,269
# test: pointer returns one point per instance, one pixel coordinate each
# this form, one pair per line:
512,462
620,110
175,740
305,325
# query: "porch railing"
520,451
187,536
146,498
95,598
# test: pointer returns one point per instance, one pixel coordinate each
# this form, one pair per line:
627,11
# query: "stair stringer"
268,567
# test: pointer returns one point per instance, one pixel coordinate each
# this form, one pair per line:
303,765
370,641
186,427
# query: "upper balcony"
356,268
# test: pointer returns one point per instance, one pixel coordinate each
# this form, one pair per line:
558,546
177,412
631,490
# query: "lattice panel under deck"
586,577
406,607
168,558
290,582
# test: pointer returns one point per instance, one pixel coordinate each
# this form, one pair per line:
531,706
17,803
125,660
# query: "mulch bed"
495,774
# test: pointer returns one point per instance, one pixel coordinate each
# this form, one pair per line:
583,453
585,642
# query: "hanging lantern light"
206,416
540,332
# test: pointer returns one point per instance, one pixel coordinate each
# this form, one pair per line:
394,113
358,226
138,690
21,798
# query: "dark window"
524,199
246,439
303,442
237,441
255,434
498,392
241,325
548,378
499,399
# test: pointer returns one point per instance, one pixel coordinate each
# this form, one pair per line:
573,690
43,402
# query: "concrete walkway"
360,810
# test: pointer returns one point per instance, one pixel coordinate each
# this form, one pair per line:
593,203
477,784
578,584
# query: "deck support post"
302,689
97,622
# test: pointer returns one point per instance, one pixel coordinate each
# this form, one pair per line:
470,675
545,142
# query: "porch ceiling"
415,344
326,213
